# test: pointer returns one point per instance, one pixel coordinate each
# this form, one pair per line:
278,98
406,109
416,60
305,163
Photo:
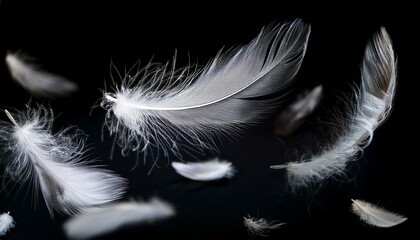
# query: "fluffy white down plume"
260,226
374,215
166,107
6,223
295,114
205,171
35,80
373,104
115,216
54,163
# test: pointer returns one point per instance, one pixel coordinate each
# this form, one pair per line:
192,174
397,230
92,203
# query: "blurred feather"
53,163
115,216
260,226
373,104
6,223
374,215
205,171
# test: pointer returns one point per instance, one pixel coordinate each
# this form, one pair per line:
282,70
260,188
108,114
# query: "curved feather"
374,103
114,216
376,216
260,226
205,171
168,106
53,163
35,80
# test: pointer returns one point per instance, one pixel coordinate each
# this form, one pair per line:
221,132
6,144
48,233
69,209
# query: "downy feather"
374,103
54,163
6,223
35,80
374,215
169,106
260,226
295,114
205,171
115,216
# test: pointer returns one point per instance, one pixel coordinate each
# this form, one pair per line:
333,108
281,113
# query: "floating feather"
53,163
115,216
35,80
205,171
374,103
374,215
260,226
169,106
295,114
6,223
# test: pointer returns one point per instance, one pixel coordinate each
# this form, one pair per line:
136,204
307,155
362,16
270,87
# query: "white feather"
205,171
374,103
53,163
6,223
35,80
295,114
374,215
260,226
115,216
169,106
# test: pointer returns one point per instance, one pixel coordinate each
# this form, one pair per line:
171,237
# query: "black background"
80,39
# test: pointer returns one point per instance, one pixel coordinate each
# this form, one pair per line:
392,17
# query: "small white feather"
295,114
189,106
54,163
35,80
261,226
374,215
373,105
6,223
115,216
205,171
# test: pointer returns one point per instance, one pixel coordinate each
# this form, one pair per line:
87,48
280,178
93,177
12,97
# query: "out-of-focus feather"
205,171
53,163
374,103
6,223
374,215
115,216
261,226
35,80
169,106
295,114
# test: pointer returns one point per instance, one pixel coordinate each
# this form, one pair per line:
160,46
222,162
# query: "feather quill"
374,103
205,171
260,226
115,216
295,114
53,163
169,106
35,80
6,223
374,215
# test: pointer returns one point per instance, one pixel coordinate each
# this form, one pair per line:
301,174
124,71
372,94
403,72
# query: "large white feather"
169,106
53,163
295,114
205,171
115,216
374,103
6,223
37,81
374,215
260,226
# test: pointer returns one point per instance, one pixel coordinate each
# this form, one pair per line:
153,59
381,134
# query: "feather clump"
114,216
169,107
54,163
261,226
205,171
35,80
373,104
374,215
6,223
